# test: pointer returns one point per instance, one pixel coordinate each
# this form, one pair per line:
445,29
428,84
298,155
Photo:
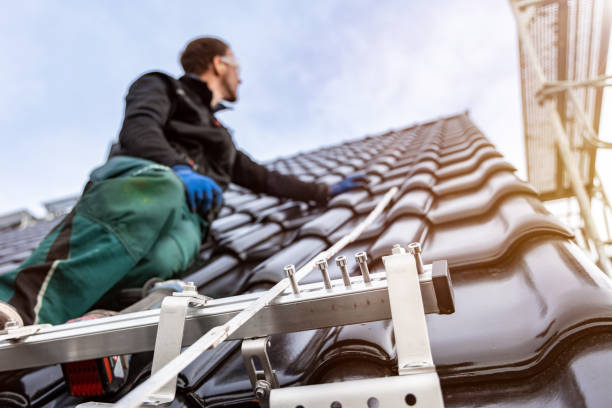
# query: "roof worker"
144,213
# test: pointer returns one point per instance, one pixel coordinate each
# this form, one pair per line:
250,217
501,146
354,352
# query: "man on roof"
145,212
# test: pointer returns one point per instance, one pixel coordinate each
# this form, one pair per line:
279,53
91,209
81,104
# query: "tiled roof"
532,325
15,219
60,206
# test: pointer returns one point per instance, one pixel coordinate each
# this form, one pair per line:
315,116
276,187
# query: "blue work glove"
349,183
202,192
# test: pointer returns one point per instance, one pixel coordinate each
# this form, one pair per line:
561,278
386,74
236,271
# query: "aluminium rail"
406,292
135,332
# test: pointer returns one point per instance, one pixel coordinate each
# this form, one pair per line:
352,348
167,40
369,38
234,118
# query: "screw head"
189,287
397,249
289,269
341,261
361,257
322,264
415,248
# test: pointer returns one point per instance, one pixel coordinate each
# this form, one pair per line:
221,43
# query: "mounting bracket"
254,353
169,337
417,384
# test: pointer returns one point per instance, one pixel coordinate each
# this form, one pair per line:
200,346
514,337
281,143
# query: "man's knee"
165,260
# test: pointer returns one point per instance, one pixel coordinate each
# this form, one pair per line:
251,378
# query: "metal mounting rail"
135,332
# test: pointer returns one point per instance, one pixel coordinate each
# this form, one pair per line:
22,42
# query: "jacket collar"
199,87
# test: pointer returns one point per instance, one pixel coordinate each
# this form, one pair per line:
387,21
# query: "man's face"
230,77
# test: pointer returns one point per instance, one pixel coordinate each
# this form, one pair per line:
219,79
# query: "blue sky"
314,73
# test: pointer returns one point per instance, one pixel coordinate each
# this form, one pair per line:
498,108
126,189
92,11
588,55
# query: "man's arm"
259,179
147,107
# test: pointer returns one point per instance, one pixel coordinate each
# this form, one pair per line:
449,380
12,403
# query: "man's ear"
218,65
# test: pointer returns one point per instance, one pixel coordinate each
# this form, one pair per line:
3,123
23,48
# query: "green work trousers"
131,224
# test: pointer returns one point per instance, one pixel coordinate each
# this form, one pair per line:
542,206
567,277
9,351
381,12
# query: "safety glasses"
231,60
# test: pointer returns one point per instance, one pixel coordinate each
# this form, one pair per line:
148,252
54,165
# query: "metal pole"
563,146
527,3
559,86
605,204
592,137
218,334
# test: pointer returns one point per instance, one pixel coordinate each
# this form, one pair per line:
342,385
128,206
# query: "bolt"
189,287
341,263
11,324
398,250
262,388
415,250
322,265
362,260
290,271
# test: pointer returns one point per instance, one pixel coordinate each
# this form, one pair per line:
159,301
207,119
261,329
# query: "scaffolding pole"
561,139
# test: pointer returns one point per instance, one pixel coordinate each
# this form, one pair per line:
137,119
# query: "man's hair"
200,52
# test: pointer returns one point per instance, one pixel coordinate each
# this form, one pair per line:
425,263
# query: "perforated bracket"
263,377
407,312
169,338
408,316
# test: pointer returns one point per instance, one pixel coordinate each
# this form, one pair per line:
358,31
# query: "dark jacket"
170,121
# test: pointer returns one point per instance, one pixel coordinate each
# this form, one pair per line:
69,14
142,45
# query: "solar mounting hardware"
341,263
322,265
169,338
263,381
290,272
185,315
319,307
417,383
362,260
136,332
415,250
168,341
220,333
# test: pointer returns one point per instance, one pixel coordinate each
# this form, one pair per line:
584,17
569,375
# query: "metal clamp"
169,337
408,316
408,313
254,353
